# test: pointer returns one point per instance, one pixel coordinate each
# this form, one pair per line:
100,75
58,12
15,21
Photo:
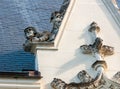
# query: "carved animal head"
30,32
58,84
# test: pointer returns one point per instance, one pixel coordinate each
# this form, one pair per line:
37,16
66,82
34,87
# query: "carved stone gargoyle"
33,36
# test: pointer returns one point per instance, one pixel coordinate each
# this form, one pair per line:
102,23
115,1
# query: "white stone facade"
67,61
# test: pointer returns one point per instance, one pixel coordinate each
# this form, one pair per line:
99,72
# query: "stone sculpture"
84,77
97,46
56,19
33,36
87,82
116,77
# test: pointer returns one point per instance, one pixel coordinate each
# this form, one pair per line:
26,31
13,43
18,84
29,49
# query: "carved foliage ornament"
97,46
86,81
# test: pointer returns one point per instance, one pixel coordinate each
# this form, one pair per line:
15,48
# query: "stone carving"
64,6
97,46
107,50
33,36
87,82
56,19
84,77
94,30
58,84
116,77
94,27
99,82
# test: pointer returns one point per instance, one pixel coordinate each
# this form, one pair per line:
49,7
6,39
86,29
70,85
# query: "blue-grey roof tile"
15,16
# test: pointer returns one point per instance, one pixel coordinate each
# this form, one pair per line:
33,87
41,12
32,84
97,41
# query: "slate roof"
118,3
15,15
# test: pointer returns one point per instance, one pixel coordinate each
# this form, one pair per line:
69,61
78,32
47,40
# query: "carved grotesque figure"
32,35
56,19
30,32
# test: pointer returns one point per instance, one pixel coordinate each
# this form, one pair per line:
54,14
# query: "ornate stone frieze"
34,37
87,82
98,50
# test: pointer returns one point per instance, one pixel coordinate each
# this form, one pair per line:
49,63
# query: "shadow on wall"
86,36
16,61
78,61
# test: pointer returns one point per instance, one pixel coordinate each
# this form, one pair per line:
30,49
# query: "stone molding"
113,11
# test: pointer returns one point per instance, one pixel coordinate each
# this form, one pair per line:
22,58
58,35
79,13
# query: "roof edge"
52,45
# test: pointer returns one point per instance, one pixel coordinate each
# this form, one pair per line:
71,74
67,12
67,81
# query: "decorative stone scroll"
33,36
100,82
86,81
97,46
